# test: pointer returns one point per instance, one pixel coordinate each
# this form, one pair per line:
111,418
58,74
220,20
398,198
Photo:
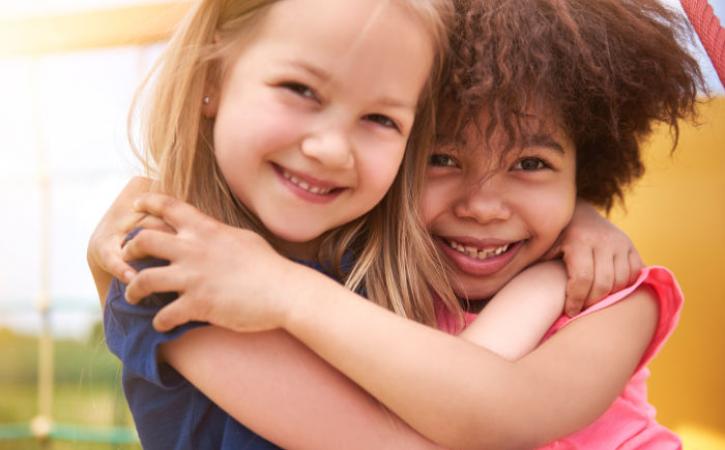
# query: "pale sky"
67,113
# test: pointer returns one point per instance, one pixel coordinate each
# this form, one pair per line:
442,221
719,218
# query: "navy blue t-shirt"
169,412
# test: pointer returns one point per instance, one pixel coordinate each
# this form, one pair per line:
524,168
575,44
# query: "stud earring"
206,100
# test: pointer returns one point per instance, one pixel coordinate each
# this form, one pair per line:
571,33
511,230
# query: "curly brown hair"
607,69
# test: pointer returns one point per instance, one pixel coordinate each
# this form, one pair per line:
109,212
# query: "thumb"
171,316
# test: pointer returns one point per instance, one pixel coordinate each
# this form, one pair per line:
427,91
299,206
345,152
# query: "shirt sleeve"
669,299
131,336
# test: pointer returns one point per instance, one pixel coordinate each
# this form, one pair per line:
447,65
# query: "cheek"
255,125
435,200
551,210
379,164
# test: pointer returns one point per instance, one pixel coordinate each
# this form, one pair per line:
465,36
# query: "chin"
474,288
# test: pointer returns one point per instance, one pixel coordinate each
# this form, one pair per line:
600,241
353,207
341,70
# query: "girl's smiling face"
491,217
314,113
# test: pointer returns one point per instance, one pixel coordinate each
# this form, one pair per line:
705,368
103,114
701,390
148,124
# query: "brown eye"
383,121
301,90
442,160
530,164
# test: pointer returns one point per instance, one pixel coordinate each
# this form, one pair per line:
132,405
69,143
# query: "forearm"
459,394
429,379
284,392
516,319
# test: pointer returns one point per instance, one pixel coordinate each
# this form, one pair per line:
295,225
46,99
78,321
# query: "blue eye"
442,160
530,164
301,90
382,120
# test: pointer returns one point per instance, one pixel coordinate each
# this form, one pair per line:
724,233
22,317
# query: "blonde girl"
289,118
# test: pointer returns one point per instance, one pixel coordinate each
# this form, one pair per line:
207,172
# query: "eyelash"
541,164
436,160
301,90
383,121
308,93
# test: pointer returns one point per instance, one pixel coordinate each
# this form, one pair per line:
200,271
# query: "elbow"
501,425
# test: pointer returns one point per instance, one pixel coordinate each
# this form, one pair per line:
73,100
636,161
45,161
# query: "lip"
477,267
303,194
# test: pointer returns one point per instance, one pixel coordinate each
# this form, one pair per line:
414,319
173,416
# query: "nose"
482,202
331,147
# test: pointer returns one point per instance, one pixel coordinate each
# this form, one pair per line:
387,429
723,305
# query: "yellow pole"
42,423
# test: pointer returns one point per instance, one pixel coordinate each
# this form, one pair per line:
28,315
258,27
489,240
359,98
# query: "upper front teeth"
477,253
305,185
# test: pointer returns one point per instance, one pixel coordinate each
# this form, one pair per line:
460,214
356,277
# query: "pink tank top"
629,423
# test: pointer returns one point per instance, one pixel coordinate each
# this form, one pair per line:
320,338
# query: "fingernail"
137,204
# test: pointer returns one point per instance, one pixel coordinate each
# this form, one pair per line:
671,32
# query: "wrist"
311,295
298,282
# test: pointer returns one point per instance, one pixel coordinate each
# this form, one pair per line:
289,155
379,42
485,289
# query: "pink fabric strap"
712,34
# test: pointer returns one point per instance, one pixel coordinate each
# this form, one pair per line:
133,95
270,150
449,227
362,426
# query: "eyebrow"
326,77
543,140
311,69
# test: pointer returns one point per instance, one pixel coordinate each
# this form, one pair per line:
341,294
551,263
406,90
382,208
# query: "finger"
603,277
580,269
621,272
111,261
635,265
149,222
151,243
153,280
172,315
174,212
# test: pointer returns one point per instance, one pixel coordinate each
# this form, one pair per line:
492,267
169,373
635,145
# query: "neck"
298,250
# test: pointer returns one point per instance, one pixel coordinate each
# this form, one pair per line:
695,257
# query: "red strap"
712,34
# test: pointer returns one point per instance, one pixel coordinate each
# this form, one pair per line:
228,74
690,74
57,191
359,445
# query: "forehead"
371,38
505,135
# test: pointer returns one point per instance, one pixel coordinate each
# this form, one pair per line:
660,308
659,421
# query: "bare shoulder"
627,325
591,359
639,311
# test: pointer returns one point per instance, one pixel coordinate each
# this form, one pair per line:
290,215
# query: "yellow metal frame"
133,25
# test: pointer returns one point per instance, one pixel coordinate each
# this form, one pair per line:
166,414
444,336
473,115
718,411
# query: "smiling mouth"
307,185
481,254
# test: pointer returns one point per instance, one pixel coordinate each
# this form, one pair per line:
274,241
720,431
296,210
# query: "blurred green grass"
87,395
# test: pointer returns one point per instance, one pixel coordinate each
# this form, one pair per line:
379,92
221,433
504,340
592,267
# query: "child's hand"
224,275
599,258
104,246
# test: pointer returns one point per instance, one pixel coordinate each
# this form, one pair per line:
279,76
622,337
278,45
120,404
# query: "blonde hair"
395,262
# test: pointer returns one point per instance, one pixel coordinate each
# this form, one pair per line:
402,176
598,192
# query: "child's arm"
517,317
283,391
419,373
269,382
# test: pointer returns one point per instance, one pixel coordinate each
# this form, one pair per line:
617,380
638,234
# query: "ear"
210,103
212,92
210,99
